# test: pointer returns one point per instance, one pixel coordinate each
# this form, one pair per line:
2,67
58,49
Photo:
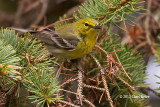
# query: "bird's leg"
78,64
59,70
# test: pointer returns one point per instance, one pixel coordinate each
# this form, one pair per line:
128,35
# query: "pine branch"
104,81
20,58
108,11
9,63
43,85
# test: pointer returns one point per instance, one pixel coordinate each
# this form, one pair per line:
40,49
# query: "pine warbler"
70,41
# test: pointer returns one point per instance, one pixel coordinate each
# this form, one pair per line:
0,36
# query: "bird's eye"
86,24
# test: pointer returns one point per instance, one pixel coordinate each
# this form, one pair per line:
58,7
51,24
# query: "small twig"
93,87
2,104
156,3
67,103
59,70
123,81
33,6
69,91
120,62
104,80
27,81
80,86
42,13
83,99
139,18
157,22
94,80
96,46
139,46
147,22
101,97
2,98
68,81
18,14
11,66
122,66
123,3
88,102
154,51
41,28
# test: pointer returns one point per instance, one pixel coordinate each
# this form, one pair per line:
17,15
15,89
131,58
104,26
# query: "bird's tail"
21,30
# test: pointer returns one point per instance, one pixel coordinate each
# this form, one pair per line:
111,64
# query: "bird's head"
87,25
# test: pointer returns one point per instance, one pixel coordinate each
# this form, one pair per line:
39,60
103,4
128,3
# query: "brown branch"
41,28
116,7
69,91
119,5
83,99
139,46
93,87
42,13
96,46
68,81
147,22
11,66
104,80
123,81
18,14
80,86
59,70
88,102
120,61
67,103
33,6
2,98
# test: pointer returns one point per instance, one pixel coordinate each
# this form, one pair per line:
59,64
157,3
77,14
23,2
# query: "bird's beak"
96,27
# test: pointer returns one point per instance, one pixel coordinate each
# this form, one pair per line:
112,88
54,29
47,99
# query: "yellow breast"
83,47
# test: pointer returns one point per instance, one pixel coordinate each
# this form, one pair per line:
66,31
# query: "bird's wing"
67,32
57,39
50,37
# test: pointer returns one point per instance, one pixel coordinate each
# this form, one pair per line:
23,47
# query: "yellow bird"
70,41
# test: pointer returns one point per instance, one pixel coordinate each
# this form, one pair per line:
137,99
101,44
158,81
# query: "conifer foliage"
112,73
